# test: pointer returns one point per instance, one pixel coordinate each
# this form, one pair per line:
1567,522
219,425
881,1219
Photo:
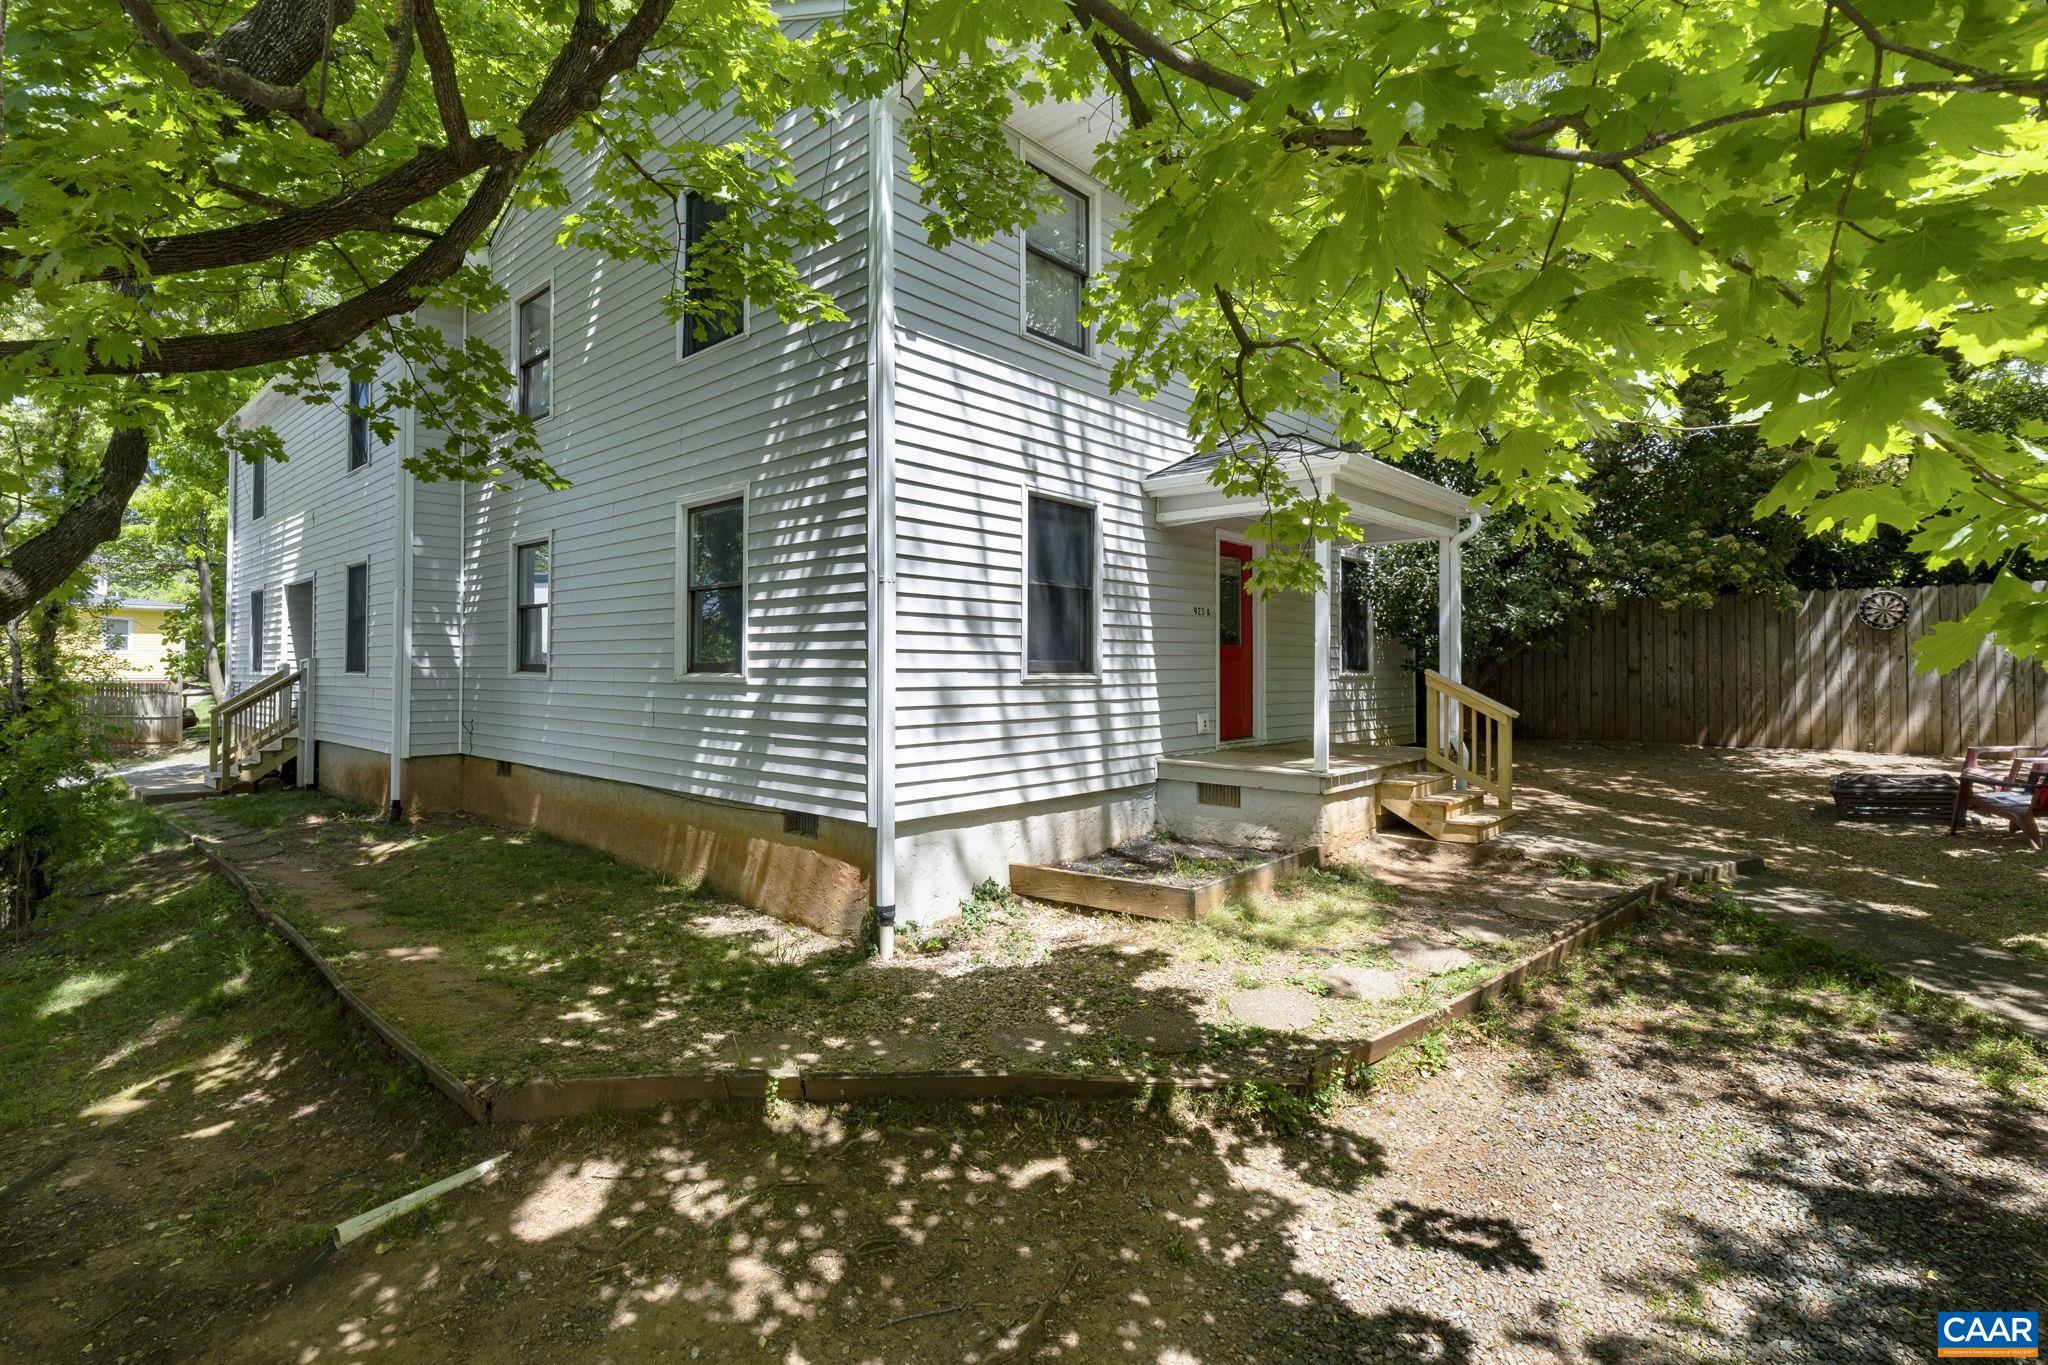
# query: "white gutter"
881,528
401,635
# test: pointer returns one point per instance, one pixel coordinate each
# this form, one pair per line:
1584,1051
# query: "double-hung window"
1059,590
1056,268
256,628
536,351
706,321
256,472
358,617
713,564
116,634
1354,615
533,582
358,423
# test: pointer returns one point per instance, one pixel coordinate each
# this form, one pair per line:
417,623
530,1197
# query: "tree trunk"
279,42
41,564
209,640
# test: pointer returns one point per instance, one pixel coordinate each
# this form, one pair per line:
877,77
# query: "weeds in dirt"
268,810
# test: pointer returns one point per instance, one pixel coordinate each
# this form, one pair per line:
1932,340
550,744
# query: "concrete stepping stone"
1364,983
1275,1008
1430,961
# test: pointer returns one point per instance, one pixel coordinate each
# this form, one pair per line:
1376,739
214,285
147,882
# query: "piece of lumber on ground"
347,1232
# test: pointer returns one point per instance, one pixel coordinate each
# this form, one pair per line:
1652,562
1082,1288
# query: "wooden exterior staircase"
257,731
1466,793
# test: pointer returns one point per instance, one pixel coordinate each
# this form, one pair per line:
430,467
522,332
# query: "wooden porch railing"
253,717
1471,736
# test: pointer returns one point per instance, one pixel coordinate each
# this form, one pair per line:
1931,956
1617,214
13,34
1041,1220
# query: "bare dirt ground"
1700,1144
508,955
1983,885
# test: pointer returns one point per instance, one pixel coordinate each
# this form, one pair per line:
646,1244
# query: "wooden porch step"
1413,786
1431,804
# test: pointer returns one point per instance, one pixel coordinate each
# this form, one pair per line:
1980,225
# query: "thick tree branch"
41,564
1158,50
440,59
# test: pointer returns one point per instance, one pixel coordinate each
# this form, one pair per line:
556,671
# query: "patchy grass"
1330,910
1742,982
268,810
149,1006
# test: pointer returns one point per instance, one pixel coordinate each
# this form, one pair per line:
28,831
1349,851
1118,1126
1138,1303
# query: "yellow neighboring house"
131,635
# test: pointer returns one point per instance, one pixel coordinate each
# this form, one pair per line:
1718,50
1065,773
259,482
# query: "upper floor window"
116,633
1354,614
358,423
536,349
256,472
705,322
714,605
356,644
256,628
1056,268
532,573
1059,597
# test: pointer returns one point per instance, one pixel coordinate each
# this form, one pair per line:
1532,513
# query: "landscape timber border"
570,1096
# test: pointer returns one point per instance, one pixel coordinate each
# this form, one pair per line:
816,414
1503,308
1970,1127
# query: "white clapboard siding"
319,518
780,411
984,412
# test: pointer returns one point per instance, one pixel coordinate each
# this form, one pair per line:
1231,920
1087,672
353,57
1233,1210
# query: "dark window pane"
536,347
256,629
1355,616
707,320
1060,603
1229,600
256,489
1062,635
715,630
358,423
717,537
535,585
358,642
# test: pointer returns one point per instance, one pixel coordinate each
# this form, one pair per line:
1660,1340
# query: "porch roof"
1388,504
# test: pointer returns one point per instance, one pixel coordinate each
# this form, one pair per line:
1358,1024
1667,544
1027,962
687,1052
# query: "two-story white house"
832,617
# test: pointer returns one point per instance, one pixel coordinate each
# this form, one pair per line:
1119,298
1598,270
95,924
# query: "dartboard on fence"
1883,609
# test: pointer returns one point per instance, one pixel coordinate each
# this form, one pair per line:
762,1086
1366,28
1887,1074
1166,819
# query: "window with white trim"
713,562
1354,614
536,353
1059,587
533,580
358,423
117,633
256,489
356,644
1056,268
706,321
256,629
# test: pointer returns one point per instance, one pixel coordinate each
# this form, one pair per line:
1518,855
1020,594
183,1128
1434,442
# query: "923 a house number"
1205,611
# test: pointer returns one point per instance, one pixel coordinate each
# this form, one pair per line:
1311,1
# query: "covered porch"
1327,787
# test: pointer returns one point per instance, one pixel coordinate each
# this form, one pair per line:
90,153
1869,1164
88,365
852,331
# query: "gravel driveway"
1693,1153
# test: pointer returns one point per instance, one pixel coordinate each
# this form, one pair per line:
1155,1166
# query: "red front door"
1233,641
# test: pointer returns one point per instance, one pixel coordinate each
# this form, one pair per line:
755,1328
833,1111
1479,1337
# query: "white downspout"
401,635
1326,581
881,528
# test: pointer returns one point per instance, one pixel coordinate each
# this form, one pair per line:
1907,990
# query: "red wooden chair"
2019,795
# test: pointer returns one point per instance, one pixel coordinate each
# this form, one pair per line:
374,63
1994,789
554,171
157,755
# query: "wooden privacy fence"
1750,673
126,713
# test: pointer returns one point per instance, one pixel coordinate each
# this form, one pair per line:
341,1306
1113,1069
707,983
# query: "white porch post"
1450,608
1326,562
